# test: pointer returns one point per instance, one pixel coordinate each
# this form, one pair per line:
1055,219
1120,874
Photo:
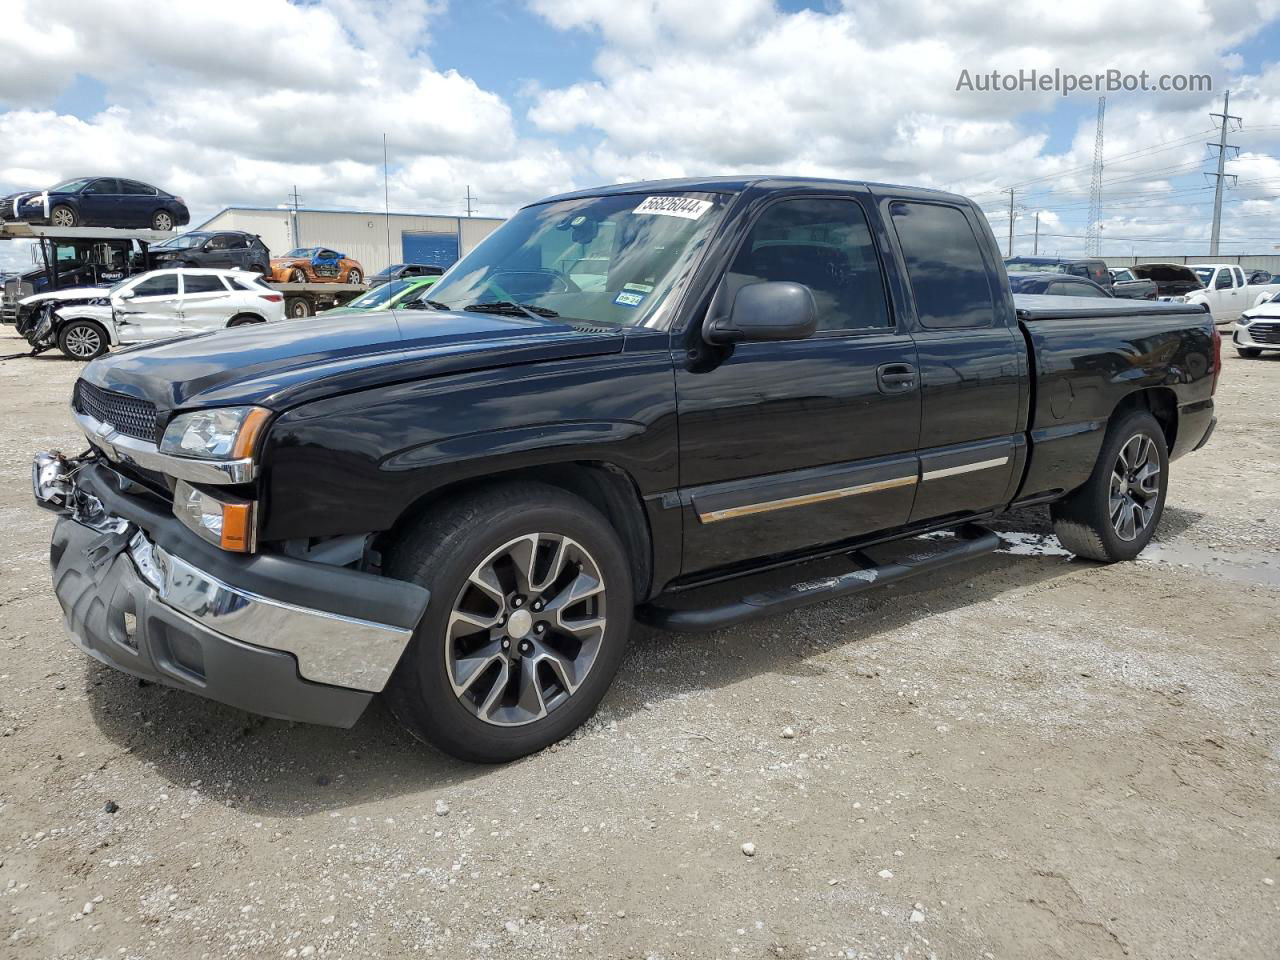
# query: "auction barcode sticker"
686,207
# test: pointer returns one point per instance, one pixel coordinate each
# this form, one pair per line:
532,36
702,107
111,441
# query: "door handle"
896,377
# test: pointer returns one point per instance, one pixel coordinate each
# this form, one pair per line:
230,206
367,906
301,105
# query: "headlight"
1244,320
225,433
226,522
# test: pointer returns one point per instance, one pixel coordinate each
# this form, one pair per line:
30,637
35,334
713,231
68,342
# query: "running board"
922,556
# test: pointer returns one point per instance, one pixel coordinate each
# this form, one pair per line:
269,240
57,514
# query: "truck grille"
129,415
1264,332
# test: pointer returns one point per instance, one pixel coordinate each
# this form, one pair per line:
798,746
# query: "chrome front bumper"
329,648
136,586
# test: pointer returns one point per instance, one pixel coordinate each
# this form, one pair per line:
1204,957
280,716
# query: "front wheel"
82,340
354,276
298,276
1249,353
531,607
1115,514
63,216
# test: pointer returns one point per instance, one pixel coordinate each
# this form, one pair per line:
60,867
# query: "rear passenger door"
137,203
788,446
972,361
206,302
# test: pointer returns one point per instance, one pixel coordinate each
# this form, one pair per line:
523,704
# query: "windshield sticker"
685,207
626,299
638,287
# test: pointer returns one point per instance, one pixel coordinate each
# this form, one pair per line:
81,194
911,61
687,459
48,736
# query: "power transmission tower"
1223,147
1092,243
470,199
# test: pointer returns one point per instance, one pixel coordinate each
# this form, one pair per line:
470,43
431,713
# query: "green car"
384,297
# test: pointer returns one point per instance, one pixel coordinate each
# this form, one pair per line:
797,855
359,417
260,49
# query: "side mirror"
125,295
769,310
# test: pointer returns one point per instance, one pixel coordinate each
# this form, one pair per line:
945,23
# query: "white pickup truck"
1227,293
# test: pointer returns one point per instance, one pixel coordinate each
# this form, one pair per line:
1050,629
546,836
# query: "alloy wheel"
525,629
162,221
83,342
62,217
1135,487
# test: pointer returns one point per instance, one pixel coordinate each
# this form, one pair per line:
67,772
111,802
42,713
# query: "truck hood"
280,365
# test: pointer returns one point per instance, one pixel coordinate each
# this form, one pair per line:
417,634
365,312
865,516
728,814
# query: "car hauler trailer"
64,257
308,299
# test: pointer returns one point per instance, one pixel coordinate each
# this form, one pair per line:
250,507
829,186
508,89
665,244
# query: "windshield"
608,261
1033,266
301,252
1121,275
70,186
1204,273
380,296
185,241
388,271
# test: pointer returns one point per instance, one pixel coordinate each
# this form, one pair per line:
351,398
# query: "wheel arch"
246,316
606,486
65,320
1160,402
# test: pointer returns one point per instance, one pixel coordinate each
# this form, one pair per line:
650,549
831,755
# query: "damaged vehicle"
1171,279
464,508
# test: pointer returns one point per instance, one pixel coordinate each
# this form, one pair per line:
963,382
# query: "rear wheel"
1115,514
354,276
297,307
530,611
244,319
1249,353
82,340
63,216
162,220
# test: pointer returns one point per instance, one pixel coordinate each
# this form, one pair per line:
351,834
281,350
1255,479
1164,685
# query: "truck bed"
1032,307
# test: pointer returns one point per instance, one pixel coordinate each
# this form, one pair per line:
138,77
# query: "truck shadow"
285,769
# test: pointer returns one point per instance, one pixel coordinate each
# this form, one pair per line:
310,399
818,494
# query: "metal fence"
1260,261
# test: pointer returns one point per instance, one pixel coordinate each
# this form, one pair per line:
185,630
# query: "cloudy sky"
235,102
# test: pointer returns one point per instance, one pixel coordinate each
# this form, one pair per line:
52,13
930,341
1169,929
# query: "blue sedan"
98,202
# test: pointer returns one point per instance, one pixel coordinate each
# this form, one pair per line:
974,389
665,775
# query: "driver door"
151,309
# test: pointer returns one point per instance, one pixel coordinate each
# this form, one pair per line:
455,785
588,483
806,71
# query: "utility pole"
1009,252
386,196
1035,249
1223,147
1092,242
295,200
470,199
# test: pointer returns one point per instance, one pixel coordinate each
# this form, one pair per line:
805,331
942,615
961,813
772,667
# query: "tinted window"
134,188
165,285
105,185
1239,276
218,243
826,245
235,241
1072,290
1223,281
948,276
202,284
237,284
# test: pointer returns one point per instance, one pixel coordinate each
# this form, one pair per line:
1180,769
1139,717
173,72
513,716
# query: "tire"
454,549
1249,353
162,220
1084,521
298,276
297,307
83,340
244,319
354,276
63,216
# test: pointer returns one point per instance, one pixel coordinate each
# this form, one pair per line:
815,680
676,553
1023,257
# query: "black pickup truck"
465,504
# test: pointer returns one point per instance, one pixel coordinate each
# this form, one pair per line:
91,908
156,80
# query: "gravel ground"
1027,757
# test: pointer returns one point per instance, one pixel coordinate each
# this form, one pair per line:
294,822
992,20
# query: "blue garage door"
440,249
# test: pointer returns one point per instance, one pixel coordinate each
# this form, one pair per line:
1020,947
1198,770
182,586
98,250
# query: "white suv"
157,305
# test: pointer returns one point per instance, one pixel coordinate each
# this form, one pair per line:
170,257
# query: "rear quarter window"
947,273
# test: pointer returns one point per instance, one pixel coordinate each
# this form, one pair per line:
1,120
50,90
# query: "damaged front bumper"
269,634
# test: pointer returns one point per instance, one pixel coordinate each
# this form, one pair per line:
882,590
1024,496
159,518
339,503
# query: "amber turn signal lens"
247,436
237,527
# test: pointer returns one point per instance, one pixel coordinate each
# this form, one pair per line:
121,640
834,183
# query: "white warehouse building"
363,235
